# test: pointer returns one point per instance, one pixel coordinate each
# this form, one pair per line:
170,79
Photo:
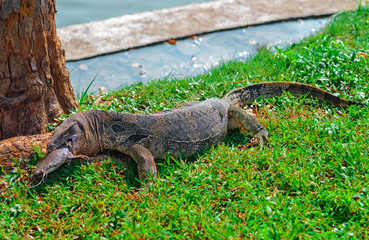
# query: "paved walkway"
137,30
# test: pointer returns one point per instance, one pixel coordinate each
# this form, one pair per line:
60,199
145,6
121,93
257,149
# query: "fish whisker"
44,176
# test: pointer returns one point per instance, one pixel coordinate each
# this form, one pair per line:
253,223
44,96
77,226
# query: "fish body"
50,163
53,161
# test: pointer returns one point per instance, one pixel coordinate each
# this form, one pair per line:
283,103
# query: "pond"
185,58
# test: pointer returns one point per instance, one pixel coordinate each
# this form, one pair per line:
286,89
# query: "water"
81,11
186,58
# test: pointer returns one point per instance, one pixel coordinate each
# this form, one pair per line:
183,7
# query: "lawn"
311,181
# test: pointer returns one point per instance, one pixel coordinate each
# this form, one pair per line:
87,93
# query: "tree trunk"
34,82
21,150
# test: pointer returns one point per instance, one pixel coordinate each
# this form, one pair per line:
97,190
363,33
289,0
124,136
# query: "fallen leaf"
142,72
83,67
172,41
253,42
362,55
102,90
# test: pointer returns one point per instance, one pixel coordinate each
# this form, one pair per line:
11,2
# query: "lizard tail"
244,95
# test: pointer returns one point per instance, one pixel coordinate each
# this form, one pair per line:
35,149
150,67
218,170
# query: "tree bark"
22,150
34,82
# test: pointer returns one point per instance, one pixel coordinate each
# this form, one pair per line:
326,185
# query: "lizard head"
68,134
76,135
74,138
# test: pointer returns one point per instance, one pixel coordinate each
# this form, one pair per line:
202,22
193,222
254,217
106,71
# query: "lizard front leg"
238,118
145,163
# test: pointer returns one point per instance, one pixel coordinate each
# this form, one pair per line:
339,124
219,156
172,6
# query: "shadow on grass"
236,138
126,168
115,163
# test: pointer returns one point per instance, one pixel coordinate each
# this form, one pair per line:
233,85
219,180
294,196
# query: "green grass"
310,182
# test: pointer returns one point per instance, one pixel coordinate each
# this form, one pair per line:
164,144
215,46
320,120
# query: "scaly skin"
183,131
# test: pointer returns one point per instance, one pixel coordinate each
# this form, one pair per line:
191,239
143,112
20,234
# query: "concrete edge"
147,28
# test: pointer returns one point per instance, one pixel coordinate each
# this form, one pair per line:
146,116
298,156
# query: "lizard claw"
84,157
261,137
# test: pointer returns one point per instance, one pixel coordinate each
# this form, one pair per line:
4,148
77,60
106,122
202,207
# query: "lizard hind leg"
145,164
239,118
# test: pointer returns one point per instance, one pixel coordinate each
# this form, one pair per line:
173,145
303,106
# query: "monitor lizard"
183,131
